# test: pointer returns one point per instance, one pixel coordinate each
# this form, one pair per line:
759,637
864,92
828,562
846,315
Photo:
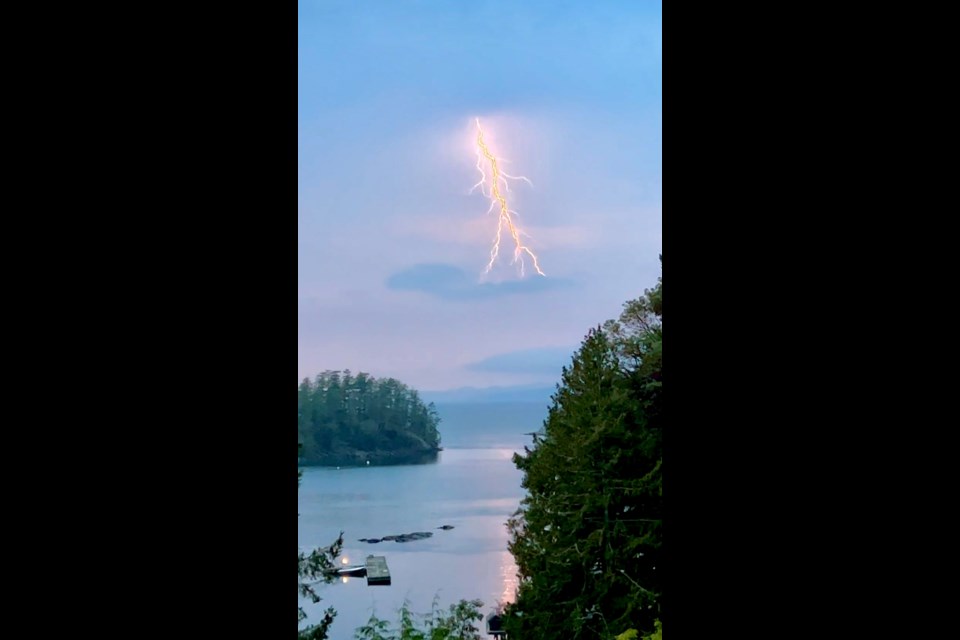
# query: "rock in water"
403,537
416,535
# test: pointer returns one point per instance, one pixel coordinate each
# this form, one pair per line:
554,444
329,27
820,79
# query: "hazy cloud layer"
545,360
452,283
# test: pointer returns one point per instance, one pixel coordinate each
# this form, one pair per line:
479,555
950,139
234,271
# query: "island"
358,420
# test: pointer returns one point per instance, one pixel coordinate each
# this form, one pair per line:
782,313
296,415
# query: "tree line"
340,414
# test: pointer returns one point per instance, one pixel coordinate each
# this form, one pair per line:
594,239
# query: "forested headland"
345,419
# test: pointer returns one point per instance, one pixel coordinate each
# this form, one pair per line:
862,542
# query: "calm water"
474,486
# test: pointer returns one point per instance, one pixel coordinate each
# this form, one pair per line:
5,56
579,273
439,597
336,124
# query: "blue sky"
392,245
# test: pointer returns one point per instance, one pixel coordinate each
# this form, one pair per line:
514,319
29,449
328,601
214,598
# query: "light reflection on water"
508,571
475,490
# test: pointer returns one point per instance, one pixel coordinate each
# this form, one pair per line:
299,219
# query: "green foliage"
318,566
656,635
587,538
631,634
457,623
338,413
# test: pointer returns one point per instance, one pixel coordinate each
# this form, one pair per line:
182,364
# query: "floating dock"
377,571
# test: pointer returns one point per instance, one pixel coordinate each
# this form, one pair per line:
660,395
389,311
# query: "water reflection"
508,567
508,572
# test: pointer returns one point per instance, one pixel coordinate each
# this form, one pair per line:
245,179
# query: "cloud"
544,360
448,282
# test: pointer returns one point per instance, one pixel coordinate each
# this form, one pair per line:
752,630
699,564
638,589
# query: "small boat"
359,570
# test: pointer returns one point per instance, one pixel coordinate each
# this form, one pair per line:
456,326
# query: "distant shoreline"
372,458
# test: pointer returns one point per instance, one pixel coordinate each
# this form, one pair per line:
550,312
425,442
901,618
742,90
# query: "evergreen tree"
587,538
341,414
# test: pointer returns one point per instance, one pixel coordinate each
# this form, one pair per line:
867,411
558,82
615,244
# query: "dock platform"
377,571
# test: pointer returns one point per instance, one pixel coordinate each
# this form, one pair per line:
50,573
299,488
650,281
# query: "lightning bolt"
491,189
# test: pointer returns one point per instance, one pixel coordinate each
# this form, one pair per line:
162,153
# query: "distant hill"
474,395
